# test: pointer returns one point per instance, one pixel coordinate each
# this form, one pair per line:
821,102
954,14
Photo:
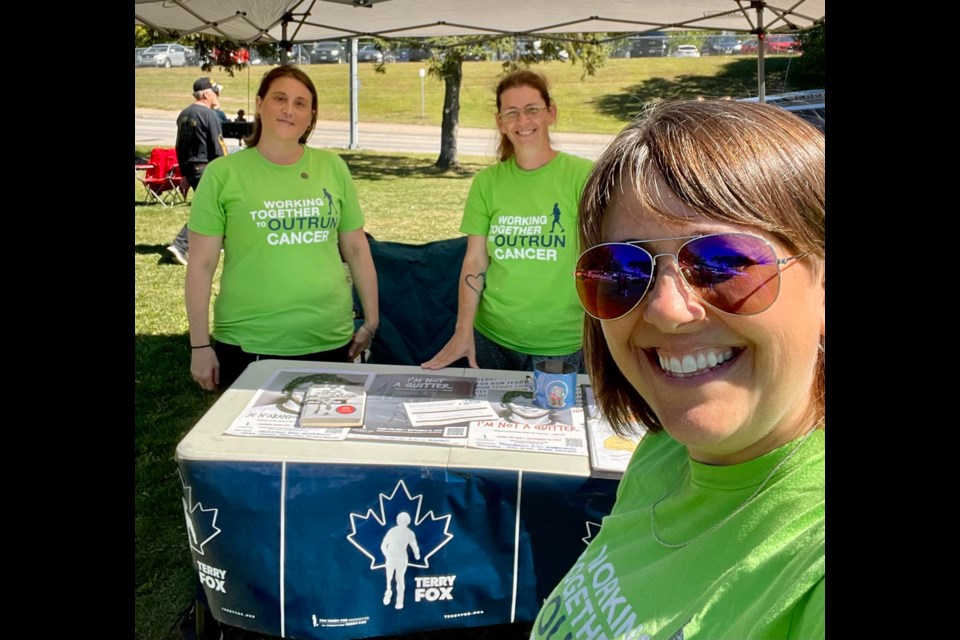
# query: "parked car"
687,51
719,46
417,54
164,55
327,52
265,56
369,53
772,45
136,55
299,54
652,45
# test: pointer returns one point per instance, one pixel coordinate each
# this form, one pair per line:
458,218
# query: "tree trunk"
451,117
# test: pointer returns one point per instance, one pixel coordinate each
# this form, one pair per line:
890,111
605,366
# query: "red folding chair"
162,181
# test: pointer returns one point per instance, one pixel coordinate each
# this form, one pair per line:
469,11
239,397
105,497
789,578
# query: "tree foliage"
812,64
449,53
211,51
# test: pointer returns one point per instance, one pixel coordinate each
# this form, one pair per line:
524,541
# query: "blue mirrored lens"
612,278
734,272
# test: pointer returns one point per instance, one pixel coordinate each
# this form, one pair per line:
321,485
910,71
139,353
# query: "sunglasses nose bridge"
680,286
658,270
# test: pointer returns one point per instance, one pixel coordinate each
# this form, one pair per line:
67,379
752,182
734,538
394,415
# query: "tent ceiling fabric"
261,21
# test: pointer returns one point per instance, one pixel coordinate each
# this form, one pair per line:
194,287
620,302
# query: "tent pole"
761,45
354,90
284,43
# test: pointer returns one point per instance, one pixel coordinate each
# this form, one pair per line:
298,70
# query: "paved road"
158,128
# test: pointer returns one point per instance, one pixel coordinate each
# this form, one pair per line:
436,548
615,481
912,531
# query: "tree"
228,56
144,37
446,63
812,64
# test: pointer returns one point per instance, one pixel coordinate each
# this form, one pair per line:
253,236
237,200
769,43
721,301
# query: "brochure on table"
486,413
609,452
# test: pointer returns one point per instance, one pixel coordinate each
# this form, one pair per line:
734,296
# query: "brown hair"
749,164
285,71
514,79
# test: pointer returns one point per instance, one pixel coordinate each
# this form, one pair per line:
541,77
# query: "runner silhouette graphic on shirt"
326,194
394,548
556,218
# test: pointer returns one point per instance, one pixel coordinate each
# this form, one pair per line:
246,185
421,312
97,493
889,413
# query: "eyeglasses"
514,114
736,273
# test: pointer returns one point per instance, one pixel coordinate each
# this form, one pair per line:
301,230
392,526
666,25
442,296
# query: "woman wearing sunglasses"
712,213
517,303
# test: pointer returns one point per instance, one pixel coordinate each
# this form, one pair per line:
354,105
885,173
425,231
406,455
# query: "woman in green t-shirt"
703,277
517,304
287,217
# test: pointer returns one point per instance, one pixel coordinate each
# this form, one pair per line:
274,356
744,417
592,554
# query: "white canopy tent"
291,21
258,21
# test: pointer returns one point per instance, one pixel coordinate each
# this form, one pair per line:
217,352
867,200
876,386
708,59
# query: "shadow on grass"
147,249
372,166
737,80
167,404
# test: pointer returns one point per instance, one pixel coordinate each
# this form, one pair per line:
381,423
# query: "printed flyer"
521,425
425,414
483,413
274,410
609,452
387,417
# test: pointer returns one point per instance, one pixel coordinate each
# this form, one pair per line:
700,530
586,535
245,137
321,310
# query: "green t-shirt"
283,290
530,301
760,575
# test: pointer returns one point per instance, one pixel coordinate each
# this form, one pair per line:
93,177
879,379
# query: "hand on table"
460,345
205,368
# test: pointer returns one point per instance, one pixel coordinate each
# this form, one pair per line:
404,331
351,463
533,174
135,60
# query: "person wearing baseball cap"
206,83
199,142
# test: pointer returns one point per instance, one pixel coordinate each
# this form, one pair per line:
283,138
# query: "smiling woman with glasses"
702,276
517,304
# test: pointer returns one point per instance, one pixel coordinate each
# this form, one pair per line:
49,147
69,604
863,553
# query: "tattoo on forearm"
477,282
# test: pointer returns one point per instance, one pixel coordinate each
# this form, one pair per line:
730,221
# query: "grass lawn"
599,104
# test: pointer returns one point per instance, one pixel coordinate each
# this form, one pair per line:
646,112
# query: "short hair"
749,164
514,79
284,71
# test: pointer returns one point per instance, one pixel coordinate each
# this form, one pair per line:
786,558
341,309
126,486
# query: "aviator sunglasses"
736,273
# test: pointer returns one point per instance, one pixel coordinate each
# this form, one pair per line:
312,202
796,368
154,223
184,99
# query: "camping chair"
418,286
162,181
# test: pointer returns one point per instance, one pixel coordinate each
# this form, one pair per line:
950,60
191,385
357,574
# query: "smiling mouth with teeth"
697,364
